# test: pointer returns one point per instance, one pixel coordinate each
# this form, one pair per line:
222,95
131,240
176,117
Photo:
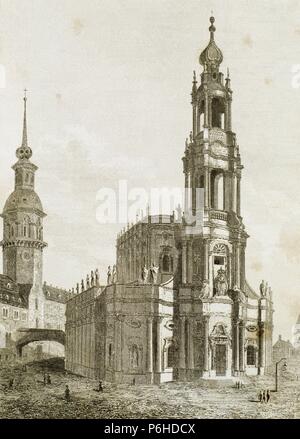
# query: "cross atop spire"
24,139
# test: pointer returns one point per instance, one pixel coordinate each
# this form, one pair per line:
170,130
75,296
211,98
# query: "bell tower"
210,318
212,167
23,242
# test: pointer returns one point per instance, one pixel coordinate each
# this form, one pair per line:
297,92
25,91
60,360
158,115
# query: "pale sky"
109,98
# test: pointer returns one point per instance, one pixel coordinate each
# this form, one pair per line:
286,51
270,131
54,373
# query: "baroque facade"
178,305
25,301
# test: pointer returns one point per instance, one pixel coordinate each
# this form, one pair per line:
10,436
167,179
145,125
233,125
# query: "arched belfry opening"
217,113
217,190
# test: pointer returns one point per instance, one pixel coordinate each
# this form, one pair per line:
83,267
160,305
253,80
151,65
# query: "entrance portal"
220,360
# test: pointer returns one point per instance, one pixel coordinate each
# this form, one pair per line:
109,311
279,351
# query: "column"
191,345
206,111
206,260
228,117
261,362
236,345
149,345
206,187
195,120
205,336
233,193
198,119
118,347
182,344
183,262
242,346
238,196
158,347
237,265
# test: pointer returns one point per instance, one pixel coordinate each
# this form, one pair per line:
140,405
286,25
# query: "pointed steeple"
24,151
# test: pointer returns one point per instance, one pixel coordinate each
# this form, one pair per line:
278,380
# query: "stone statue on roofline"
114,274
97,277
205,290
109,275
144,274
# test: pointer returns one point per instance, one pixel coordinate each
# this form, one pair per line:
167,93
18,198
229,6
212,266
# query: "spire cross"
24,139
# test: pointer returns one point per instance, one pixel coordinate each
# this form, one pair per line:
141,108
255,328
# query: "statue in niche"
87,282
221,283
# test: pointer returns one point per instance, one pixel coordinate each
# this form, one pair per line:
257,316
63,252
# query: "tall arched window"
251,356
217,190
217,113
171,355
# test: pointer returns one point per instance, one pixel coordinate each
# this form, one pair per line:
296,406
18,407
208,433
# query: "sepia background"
109,98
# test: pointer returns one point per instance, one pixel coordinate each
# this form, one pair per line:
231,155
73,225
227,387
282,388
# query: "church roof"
56,294
23,198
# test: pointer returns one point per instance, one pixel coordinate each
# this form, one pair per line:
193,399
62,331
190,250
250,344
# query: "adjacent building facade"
180,306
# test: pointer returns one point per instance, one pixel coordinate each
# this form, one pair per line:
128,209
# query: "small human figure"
67,393
268,395
100,387
133,382
82,285
92,279
264,396
45,378
77,288
109,275
87,281
48,379
260,396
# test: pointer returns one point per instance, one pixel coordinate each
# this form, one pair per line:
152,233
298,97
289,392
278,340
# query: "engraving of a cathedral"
167,309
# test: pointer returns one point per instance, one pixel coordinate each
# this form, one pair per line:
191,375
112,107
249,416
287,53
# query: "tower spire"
24,151
24,138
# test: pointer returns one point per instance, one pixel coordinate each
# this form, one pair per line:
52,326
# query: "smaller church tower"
23,242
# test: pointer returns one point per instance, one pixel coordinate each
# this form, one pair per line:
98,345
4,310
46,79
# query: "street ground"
30,398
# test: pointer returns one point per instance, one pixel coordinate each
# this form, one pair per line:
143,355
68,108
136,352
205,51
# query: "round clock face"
26,255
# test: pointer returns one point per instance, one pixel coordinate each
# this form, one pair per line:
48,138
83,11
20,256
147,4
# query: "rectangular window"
16,315
24,317
5,312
